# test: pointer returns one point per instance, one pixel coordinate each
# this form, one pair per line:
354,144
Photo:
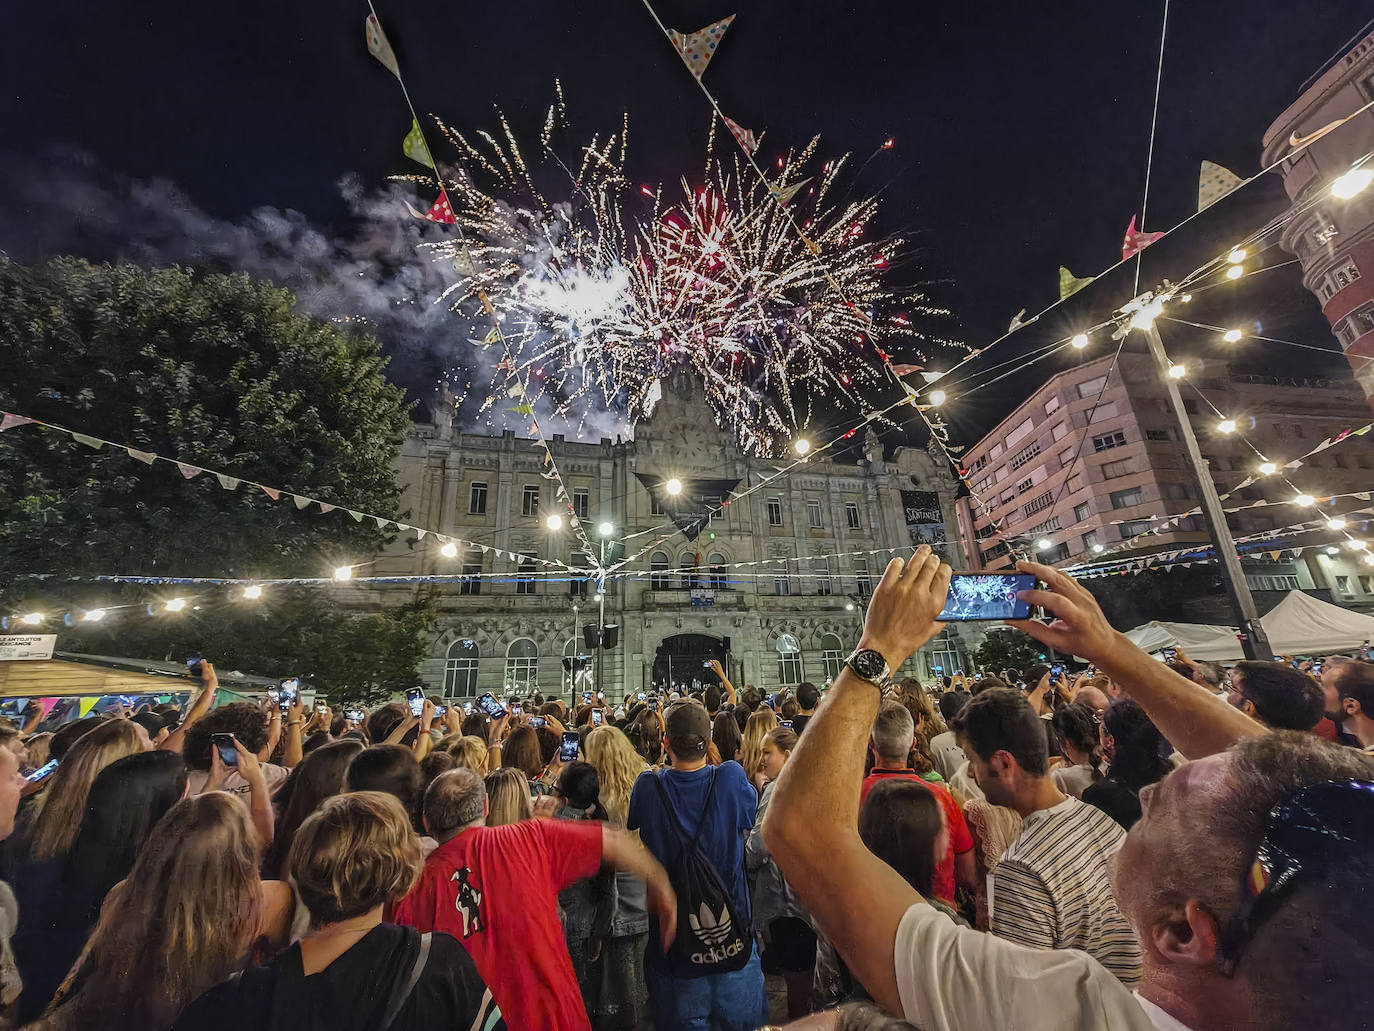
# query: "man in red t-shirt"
495,889
891,740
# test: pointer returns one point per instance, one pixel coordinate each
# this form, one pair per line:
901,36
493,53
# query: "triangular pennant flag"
810,244
492,338
9,421
326,508
697,48
905,370
94,442
381,523
271,492
462,263
1136,240
1214,183
414,145
522,409
227,482
783,194
301,502
356,515
189,471
441,211
1069,284
744,137
420,532
378,46
86,705
146,457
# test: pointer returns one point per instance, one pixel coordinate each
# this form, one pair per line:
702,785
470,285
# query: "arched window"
522,666
832,656
789,661
690,578
577,665
717,563
658,571
460,669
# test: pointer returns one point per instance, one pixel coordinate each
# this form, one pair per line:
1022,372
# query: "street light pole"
1254,642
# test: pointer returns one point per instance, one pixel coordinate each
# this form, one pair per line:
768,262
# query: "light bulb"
175,604
1353,182
1336,523
1304,499
1354,545
605,529
1333,551
597,598
1080,340
1177,371
1186,298
94,615
252,591
1236,256
1235,272
1232,336
554,522
937,397
1098,549
1268,468
343,573
1043,543
849,607
31,619
801,445
1145,317
673,486
1227,425
1369,560
449,550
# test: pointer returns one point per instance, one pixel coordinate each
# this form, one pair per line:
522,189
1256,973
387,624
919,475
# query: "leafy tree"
1008,649
218,371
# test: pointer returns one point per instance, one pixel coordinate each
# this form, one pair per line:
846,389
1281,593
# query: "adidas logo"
710,928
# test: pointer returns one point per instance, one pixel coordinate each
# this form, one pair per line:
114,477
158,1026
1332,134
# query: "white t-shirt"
953,978
234,783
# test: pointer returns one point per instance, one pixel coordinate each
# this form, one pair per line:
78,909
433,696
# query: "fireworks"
602,293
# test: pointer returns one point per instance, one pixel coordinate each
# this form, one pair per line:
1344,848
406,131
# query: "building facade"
1088,476
816,538
1333,238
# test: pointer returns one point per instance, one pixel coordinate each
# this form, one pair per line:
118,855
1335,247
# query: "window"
861,581
658,572
782,584
1074,483
690,578
997,449
460,669
1052,405
1282,582
1019,434
1157,435
1133,527
775,511
1039,504
832,656
1101,412
1111,470
1025,485
477,499
1056,554
524,580
1048,526
1345,274
529,500
1190,406
823,585
1066,457
1024,455
581,495
712,505
1184,491
851,514
472,570
655,505
1127,498
996,551
577,585
813,514
1082,511
1343,585
522,666
1089,539
1092,387
1008,496
789,660
1362,319
1109,440
717,563
1000,475
1059,431
978,464
1366,583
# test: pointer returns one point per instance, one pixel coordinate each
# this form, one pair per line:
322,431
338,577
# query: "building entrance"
682,659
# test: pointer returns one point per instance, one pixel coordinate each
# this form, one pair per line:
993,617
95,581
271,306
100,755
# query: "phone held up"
193,665
598,717
287,691
224,745
567,750
415,698
489,705
983,597
42,773
353,715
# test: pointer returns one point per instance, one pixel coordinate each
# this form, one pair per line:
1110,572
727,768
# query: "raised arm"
1195,721
200,705
811,827
731,695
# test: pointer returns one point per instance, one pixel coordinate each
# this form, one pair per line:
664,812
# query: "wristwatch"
870,665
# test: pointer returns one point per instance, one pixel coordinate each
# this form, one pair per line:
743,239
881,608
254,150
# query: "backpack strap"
677,820
402,991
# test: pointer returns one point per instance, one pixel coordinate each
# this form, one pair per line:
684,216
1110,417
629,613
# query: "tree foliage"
218,371
1008,649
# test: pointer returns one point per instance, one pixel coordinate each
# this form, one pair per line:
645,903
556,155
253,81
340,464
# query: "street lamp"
673,487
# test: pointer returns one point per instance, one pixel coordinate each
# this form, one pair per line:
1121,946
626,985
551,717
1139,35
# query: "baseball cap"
688,729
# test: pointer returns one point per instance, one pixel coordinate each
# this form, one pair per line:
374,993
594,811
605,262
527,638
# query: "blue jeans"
734,1002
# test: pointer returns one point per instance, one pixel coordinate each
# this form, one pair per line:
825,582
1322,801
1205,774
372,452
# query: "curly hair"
244,720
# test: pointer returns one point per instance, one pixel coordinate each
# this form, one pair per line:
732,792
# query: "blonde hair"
62,805
182,921
508,794
618,766
922,709
761,721
354,853
469,752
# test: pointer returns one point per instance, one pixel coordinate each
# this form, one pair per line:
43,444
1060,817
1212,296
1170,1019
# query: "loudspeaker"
591,637
612,631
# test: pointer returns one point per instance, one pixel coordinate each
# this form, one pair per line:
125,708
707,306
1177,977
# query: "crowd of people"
1140,845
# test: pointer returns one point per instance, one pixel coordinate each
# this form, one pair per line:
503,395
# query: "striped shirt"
1051,889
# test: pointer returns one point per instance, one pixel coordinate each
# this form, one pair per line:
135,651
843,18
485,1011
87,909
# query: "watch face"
869,664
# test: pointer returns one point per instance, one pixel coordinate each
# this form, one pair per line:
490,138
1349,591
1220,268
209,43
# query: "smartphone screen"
489,705
785,723
1169,654
567,751
287,691
193,665
224,745
653,705
643,695
1056,671
587,697
538,721
415,697
353,715
42,773
980,597
598,717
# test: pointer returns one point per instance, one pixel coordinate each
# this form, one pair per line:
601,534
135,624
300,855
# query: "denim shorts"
732,1002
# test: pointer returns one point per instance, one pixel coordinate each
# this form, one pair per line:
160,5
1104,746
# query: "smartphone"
653,705
468,709
193,665
538,721
981,597
1278,658
937,669
587,697
287,691
706,664
643,695
785,723
42,773
1056,671
353,715
1169,654
517,710
598,717
415,698
567,751
489,705
224,745
440,710
273,694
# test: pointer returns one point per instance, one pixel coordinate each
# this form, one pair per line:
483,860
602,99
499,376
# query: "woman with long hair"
726,736
508,797
191,912
58,811
125,802
1075,726
588,904
761,721
319,776
617,766
521,752
1134,746
468,752
645,732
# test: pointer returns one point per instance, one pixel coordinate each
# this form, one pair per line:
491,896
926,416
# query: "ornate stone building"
772,585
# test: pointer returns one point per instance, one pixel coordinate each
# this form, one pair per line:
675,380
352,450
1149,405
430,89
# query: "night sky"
1021,129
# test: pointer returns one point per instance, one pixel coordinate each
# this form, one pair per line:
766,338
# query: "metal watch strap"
883,679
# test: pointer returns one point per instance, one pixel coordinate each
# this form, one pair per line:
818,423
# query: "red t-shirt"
960,840
495,889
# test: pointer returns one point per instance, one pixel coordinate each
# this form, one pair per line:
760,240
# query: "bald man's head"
454,801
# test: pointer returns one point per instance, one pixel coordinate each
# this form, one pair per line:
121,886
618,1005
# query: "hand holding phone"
415,698
227,749
567,750
598,717
982,597
538,721
287,692
354,715
489,705
42,773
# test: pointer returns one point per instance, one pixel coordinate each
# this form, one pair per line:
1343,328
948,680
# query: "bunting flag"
492,338
440,211
462,263
189,471
1069,284
906,370
1295,140
783,194
301,502
697,48
1136,240
93,442
1214,183
744,137
378,45
486,303
271,492
522,409
85,706
146,457
228,482
326,508
8,421
414,145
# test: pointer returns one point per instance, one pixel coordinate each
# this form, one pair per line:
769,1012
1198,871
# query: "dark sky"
1021,128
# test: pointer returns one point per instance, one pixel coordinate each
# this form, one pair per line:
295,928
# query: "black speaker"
612,634
725,643
590,636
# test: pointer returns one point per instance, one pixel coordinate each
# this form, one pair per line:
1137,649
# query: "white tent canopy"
1202,641
1304,625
